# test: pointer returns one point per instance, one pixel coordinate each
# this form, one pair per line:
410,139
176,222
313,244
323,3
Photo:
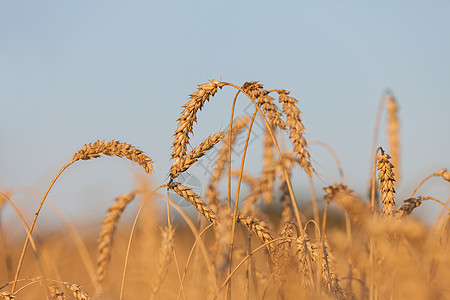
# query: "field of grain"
249,238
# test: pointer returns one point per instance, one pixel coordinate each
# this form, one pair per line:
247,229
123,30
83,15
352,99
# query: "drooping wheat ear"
304,256
296,129
77,292
386,179
195,200
281,255
165,257
106,236
332,190
359,211
183,164
114,148
212,193
268,172
7,295
320,263
189,116
330,279
260,228
55,292
256,91
407,207
393,128
446,175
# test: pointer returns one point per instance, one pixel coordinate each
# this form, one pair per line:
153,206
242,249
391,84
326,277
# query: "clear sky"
72,72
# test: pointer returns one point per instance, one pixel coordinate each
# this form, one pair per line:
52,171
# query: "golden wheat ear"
114,148
386,178
106,236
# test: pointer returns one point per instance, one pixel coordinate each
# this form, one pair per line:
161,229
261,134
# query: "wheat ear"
105,238
77,292
296,129
255,91
260,228
195,200
393,127
183,164
165,257
387,179
55,292
7,295
114,148
407,207
280,256
189,116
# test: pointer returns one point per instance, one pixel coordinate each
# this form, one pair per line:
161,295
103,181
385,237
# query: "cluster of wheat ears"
238,249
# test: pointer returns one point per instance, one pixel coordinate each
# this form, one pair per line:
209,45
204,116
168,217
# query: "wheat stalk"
269,171
212,193
114,148
195,200
105,238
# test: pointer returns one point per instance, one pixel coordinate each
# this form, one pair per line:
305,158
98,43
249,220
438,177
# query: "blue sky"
74,72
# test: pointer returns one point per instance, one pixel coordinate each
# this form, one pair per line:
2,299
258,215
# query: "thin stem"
373,209
188,221
19,265
434,199
423,181
197,239
8,261
274,140
236,202
324,222
122,285
247,257
230,137
381,104
336,158
373,205
30,239
314,203
79,244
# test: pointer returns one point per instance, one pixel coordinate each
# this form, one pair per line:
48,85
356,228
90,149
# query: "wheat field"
249,238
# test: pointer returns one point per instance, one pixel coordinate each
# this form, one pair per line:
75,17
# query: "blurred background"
73,72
